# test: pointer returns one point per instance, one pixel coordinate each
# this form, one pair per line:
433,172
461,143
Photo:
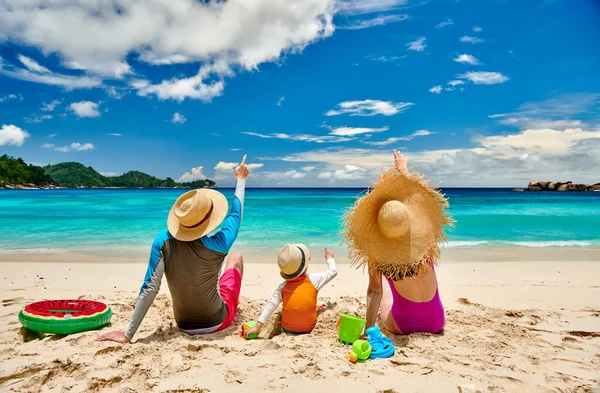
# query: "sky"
317,93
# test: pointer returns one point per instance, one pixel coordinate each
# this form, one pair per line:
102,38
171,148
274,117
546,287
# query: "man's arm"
223,240
149,290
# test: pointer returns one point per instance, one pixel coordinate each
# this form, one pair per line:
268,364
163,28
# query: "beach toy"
326,306
246,326
349,328
361,350
65,316
381,346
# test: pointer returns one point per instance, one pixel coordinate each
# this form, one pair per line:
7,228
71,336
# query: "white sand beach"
511,327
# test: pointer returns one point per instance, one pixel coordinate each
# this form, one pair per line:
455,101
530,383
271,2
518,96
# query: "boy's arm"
319,280
271,305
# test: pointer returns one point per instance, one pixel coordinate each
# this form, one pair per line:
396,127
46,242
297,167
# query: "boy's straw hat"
196,213
397,227
293,260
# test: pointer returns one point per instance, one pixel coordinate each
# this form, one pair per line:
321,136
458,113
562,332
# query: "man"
192,261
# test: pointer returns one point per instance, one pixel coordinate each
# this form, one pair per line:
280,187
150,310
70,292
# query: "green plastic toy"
362,349
246,326
349,328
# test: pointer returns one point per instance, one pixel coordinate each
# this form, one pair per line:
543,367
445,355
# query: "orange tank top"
299,305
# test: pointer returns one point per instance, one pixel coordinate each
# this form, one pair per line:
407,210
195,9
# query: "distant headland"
17,174
559,186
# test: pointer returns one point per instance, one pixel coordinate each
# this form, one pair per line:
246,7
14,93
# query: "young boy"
298,292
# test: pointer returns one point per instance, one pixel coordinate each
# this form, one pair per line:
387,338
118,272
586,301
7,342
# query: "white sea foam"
464,243
557,243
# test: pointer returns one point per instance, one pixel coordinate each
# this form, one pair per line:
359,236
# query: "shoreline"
139,254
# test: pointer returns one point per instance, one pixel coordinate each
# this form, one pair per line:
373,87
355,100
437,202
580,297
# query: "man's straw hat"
196,213
397,227
293,260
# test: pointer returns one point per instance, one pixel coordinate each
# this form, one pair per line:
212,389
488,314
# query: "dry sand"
511,327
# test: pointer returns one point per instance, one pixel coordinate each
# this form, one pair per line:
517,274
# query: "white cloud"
38,74
51,136
386,142
554,113
470,40
114,134
109,174
98,37
33,66
193,175
410,137
369,108
280,101
385,58
85,109
308,168
445,23
495,161
456,82
11,135
465,58
349,172
73,146
224,170
10,96
292,174
380,20
477,29
50,106
178,118
38,118
436,89
81,147
195,87
484,77
301,137
235,149
358,7
352,131
418,45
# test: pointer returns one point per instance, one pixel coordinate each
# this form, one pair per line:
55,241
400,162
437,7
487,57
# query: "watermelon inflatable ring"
65,316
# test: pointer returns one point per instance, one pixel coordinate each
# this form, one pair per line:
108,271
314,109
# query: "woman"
395,230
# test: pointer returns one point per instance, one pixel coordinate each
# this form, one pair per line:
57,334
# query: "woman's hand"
116,336
328,253
400,163
242,171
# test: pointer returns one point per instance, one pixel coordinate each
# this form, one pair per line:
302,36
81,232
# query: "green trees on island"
17,171
74,174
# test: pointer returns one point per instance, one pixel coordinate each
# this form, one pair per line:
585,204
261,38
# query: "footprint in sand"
13,301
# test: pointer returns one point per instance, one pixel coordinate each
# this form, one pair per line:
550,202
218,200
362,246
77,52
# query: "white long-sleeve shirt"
318,280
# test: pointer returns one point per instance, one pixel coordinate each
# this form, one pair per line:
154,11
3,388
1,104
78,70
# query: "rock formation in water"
559,186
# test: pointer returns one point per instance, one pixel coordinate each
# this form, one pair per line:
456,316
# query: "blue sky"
316,92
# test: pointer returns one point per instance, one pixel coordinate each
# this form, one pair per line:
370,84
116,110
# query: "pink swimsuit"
413,317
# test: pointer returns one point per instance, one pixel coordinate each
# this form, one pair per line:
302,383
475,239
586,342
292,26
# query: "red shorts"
230,285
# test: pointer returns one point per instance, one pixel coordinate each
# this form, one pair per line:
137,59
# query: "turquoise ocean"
71,220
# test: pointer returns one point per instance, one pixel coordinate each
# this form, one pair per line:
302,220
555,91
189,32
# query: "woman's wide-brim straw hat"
196,213
398,226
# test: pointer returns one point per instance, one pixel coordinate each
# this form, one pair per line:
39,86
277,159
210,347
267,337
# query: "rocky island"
559,186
